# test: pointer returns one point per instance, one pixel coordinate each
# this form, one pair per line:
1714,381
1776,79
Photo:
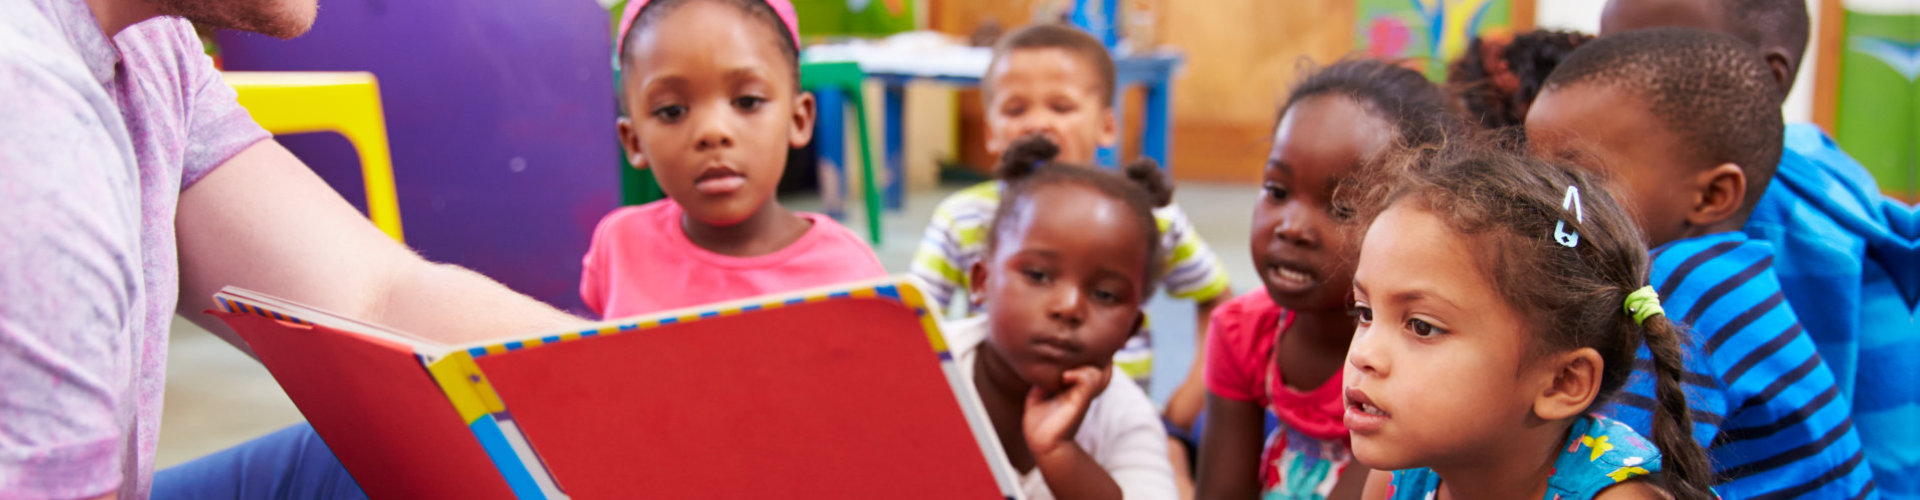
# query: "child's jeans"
289,463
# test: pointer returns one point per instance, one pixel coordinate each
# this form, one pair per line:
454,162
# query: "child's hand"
1052,419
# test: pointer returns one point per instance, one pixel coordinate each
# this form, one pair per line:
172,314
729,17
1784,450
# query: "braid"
1683,464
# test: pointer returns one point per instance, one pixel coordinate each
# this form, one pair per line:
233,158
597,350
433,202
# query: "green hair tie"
1643,304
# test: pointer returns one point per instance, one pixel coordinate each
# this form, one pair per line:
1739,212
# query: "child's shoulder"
1247,318
1712,253
978,198
832,230
1601,452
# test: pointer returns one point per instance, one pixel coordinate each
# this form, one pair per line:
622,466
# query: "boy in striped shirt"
1056,81
1850,268
1688,125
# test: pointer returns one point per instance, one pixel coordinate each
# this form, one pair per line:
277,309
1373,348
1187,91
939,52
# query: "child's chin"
1043,376
1377,454
719,216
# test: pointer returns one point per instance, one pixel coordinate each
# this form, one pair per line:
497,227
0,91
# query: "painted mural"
1423,29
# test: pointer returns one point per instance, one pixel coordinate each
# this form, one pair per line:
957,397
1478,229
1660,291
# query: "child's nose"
1296,226
1067,305
713,132
1364,355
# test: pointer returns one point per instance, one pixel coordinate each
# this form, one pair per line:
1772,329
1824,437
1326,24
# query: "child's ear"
977,282
1574,385
630,142
1721,191
1110,127
1782,67
803,116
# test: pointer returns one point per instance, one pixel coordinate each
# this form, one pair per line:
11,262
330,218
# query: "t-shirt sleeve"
939,267
69,270
1191,271
1132,444
1230,372
593,269
218,127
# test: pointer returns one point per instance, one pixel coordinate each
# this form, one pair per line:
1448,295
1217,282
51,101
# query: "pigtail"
1683,464
1025,156
1148,175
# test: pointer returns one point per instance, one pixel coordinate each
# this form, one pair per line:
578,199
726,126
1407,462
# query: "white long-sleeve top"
1121,430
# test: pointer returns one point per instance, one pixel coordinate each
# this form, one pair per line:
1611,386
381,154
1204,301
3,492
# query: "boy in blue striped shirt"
1850,273
1688,125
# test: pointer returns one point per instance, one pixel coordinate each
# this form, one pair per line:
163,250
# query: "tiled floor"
217,397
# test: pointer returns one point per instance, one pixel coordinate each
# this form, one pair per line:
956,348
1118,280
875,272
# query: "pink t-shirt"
98,138
1308,452
642,262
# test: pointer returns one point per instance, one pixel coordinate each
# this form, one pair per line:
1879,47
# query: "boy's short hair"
1063,37
1713,92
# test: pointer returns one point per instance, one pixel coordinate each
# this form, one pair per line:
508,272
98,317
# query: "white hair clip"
1571,202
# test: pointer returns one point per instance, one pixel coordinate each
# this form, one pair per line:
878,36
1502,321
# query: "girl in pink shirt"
710,90
1280,350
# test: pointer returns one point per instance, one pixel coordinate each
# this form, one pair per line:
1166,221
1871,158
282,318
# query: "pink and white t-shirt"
1305,456
98,138
642,262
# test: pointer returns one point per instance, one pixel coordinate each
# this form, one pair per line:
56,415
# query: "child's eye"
748,103
1423,329
1035,275
1106,297
1362,313
1062,107
1013,110
1275,192
670,112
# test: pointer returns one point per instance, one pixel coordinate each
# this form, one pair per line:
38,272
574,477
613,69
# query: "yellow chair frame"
344,102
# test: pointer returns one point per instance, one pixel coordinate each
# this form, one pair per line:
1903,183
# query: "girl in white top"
1070,257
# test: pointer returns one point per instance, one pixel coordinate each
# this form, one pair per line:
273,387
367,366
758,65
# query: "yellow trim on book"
911,296
466,387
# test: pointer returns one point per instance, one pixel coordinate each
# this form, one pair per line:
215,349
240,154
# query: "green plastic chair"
845,79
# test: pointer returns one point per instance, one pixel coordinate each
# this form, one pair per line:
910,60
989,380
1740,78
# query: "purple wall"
500,114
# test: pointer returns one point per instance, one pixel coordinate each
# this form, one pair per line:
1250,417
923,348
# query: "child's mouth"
1289,278
1362,415
719,181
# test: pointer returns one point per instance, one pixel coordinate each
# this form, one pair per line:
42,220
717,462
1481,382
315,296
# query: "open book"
846,392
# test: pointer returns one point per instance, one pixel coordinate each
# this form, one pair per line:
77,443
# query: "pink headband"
782,8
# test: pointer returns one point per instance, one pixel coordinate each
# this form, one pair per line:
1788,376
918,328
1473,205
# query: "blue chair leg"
829,139
1159,136
896,145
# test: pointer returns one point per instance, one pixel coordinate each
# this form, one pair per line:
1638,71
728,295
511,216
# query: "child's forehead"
1062,66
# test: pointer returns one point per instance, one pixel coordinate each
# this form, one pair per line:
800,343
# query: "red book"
847,392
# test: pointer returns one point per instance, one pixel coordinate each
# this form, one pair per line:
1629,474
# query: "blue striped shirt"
1765,406
1851,277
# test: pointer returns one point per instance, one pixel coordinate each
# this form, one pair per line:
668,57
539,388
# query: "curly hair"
1496,79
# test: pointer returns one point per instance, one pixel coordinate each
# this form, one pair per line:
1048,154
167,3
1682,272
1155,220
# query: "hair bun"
1025,155
1148,175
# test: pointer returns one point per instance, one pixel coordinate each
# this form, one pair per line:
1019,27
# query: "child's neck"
1520,468
1004,394
768,230
1313,348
